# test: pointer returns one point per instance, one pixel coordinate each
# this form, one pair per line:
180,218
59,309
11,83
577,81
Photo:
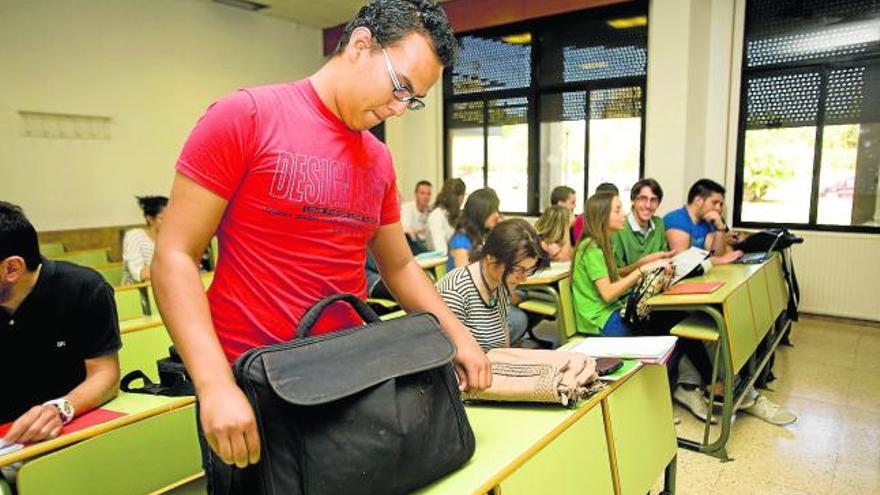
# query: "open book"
645,349
691,263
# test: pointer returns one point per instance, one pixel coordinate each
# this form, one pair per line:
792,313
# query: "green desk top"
135,406
732,275
507,436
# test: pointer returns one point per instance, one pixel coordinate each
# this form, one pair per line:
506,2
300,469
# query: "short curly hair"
391,20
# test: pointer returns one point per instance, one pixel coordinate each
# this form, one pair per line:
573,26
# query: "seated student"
138,244
642,241
643,238
699,223
444,215
376,288
60,336
479,293
479,215
577,227
567,198
596,284
414,214
553,229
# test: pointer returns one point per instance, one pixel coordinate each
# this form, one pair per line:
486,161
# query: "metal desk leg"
669,477
722,351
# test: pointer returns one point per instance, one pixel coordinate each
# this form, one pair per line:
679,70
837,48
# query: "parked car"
842,189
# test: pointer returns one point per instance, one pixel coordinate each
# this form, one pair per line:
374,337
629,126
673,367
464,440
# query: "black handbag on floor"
367,410
173,379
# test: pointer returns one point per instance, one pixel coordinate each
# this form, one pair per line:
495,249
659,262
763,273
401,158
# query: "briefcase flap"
329,367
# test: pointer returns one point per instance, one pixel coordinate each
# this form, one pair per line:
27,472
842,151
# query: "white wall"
416,143
153,66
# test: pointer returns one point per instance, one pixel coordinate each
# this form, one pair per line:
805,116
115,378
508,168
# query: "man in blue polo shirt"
700,224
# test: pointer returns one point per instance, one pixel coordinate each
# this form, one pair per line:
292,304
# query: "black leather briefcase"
373,409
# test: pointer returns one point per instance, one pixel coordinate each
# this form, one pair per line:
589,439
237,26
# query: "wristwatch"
65,409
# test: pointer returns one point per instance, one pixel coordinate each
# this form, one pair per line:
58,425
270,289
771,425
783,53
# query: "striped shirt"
137,252
487,322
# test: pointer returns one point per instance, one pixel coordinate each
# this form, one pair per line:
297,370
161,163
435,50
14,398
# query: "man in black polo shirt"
59,336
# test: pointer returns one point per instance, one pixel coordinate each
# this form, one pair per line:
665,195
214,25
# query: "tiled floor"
831,380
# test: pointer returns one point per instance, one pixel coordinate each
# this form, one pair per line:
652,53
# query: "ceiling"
320,14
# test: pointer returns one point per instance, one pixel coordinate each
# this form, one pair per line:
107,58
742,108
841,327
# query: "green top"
591,311
630,245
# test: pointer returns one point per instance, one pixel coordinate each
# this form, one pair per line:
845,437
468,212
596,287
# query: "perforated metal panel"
491,64
593,50
853,95
784,31
467,114
616,103
782,101
508,111
564,106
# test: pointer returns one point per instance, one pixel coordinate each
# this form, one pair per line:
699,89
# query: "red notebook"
694,288
91,418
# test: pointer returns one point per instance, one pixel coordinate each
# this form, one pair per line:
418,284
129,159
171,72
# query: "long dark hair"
480,205
450,199
513,240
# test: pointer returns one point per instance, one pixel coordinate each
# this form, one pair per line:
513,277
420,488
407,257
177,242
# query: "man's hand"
727,258
661,263
471,365
39,423
731,237
660,255
229,424
714,218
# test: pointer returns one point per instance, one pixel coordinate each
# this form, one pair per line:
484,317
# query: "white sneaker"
770,412
694,401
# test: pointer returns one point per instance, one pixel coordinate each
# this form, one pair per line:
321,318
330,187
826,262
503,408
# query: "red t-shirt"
305,196
576,229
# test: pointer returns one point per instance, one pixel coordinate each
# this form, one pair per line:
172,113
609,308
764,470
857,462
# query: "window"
554,102
810,117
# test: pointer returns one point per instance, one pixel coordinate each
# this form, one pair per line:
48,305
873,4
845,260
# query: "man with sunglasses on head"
297,190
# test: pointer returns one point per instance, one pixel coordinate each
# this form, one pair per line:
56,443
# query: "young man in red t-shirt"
297,189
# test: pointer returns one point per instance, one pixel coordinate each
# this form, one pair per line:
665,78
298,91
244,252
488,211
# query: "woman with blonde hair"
597,286
553,228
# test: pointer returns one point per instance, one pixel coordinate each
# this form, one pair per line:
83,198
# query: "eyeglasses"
521,270
648,199
402,93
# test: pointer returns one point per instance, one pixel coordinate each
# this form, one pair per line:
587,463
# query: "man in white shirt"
414,214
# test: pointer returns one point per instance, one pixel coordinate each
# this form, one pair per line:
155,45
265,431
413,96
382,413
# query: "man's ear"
15,267
360,42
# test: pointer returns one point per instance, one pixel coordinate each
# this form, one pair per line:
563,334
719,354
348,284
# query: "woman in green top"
597,285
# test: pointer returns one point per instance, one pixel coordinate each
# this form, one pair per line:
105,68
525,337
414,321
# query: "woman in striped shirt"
138,244
479,293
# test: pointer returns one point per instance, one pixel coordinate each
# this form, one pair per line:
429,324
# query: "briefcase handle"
311,317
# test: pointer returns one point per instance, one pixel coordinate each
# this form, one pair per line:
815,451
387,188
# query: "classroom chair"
112,273
128,304
85,257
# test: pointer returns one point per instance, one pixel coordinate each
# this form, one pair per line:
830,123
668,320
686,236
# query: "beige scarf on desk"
533,375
